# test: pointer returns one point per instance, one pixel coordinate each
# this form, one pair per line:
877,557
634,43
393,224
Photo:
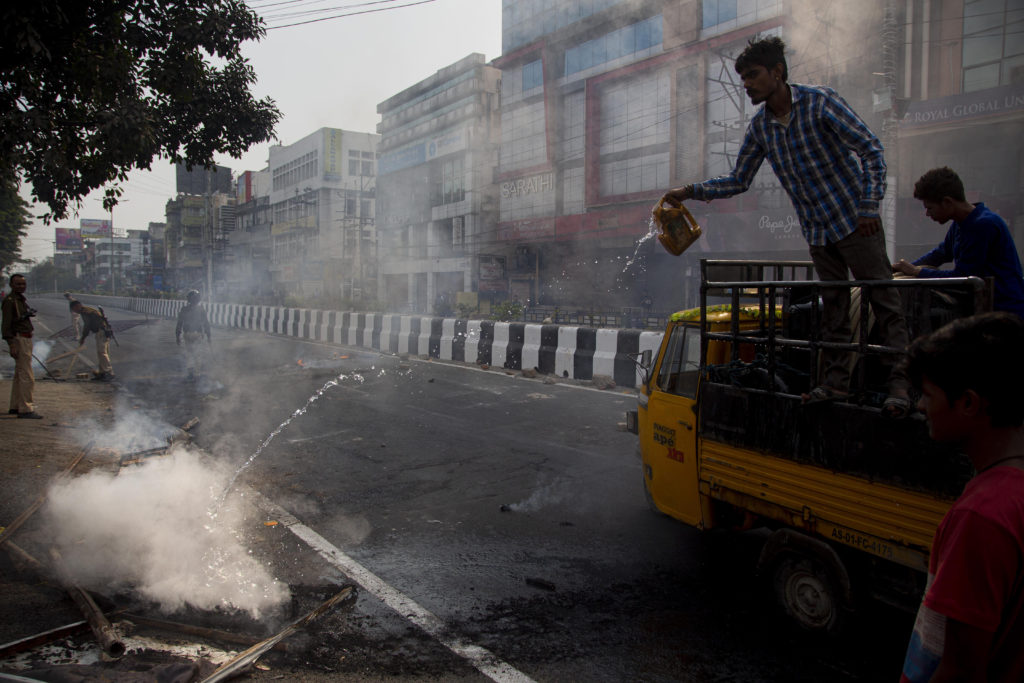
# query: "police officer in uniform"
193,324
94,321
17,332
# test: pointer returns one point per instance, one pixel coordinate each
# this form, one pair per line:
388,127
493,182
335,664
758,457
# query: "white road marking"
478,657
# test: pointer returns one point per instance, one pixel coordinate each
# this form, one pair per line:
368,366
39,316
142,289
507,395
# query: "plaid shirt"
813,158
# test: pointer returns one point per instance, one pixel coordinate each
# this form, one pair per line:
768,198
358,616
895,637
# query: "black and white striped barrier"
565,351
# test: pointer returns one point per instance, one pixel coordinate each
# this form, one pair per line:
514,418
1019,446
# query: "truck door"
669,443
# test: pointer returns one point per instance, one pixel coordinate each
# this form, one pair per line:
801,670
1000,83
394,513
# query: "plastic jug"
679,229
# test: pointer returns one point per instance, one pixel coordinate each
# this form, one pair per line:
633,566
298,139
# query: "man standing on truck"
970,626
978,242
810,136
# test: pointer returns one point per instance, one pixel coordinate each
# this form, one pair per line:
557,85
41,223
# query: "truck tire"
808,592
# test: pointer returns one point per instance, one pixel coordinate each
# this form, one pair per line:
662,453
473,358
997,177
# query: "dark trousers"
865,258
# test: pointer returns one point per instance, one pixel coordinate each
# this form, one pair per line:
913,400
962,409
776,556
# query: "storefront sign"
967,106
780,227
542,182
526,230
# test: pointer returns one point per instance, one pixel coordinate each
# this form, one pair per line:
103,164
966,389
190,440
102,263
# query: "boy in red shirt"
970,626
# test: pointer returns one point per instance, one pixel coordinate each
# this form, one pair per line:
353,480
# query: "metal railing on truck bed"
753,401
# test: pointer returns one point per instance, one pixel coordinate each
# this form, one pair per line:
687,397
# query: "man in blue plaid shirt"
811,137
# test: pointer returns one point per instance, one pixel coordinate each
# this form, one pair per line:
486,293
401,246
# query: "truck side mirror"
645,359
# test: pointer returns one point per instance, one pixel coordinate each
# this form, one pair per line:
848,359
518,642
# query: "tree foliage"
15,219
91,90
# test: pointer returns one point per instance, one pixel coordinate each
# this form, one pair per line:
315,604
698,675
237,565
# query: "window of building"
993,52
636,121
295,171
573,126
717,12
452,186
523,137
719,16
533,75
620,43
572,190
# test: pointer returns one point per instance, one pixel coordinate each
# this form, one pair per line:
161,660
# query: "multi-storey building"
960,91
608,103
195,226
322,191
436,195
250,244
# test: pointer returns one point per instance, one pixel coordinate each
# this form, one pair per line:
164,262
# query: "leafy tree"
91,90
15,220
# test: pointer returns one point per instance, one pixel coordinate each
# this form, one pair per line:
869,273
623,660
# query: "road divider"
566,351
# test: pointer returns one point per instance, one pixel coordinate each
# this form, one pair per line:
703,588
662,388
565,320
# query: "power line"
349,14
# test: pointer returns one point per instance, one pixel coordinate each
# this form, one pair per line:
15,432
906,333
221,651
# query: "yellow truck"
850,500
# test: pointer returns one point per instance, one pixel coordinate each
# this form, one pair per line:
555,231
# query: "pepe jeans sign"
959,107
780,228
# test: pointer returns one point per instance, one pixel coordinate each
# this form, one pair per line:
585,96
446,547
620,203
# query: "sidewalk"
32,454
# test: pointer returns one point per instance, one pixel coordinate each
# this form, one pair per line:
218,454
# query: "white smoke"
133,429
149,529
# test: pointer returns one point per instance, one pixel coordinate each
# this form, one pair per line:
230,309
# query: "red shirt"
976,573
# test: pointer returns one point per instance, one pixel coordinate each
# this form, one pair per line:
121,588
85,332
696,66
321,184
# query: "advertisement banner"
333,158
94,228
403,158
68,239
452,141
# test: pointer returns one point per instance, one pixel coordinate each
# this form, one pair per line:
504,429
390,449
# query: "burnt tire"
808,593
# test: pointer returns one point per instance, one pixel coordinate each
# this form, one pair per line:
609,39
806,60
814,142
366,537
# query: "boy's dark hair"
938,183
982,353
766,52
14,275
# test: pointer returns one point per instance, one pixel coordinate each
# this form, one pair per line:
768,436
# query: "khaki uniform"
17,331
93,321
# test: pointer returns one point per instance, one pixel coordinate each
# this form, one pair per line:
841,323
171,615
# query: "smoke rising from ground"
148,529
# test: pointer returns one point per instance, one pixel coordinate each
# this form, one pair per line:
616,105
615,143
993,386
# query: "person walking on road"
193,324
94,321
970,625
833,169
17,332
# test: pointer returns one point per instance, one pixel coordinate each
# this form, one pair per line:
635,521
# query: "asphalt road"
495,524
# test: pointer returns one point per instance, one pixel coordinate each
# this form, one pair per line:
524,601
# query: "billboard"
68,239
94,228
333,158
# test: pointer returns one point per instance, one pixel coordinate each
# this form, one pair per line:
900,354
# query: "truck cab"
850,499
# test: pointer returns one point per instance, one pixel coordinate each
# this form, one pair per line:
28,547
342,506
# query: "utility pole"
113,273
209,241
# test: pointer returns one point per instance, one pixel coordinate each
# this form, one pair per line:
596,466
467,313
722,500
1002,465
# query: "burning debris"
173,552
150,531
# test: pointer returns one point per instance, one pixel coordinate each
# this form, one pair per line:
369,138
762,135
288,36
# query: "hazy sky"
329,73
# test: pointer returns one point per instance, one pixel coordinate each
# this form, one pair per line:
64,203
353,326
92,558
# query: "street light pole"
113,273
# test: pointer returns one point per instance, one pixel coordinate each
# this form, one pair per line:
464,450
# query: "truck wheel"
808,593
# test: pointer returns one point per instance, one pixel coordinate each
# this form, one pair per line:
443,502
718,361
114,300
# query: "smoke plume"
149,529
